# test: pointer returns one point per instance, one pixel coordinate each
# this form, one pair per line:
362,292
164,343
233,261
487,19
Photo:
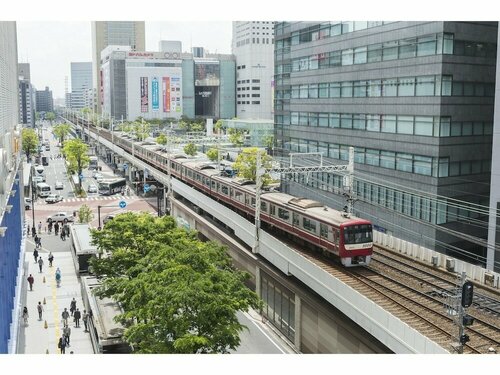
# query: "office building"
26,96
11,191
44,101
171,46
81,81
166,84
415,100
105,33
253,47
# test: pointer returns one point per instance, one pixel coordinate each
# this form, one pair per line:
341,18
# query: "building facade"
253,47
26,96
415,100
44,101
81,82
11,191
105,33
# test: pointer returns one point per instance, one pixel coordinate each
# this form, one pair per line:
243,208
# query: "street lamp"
33,230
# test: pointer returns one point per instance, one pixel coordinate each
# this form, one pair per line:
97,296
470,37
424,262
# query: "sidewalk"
38,339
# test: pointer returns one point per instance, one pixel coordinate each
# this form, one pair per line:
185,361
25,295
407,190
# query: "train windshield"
355,234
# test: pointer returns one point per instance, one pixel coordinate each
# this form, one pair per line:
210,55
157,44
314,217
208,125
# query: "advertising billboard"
175,94
155,94
144,95
166,94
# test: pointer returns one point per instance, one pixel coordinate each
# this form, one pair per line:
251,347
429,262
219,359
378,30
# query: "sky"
51,46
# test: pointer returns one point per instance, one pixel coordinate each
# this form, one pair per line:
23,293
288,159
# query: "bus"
39,170
109,187
81,247
42,189
93,162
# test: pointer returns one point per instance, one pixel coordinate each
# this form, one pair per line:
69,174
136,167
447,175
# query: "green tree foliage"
37,116
179,295
141,130
85,214
268,141
246,164
236,136
30,142
50,116
190,149
162,139
218,125
75,152
213,154
197,127
61,131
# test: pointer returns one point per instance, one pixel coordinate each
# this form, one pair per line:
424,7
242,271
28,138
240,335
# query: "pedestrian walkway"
42,336
91,198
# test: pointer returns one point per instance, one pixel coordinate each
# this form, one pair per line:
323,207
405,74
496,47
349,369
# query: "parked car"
53,198
108,218
27,203
92,189
59,185
60,217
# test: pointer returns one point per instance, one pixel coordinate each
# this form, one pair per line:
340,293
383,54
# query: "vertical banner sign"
155,93
166,94
144,94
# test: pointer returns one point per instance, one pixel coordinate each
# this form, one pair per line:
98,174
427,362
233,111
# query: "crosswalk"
96,198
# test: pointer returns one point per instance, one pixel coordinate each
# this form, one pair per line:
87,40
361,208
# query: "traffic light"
468,320
467,294
464,339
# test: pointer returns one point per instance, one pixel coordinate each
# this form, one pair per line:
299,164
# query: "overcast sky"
50,47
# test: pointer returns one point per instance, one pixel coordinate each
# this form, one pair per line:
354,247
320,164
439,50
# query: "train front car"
356,243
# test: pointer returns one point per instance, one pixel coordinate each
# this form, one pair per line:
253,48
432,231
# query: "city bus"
109,187
42,189
93,162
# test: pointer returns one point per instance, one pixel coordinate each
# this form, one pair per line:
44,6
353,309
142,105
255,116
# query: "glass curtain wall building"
416,100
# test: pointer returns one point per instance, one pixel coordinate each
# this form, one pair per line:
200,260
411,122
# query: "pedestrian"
62,344
40,227
65,316
72,306
67,333
39,307
56,228
85,319
31,281
50,227
35,254
40,263
25,315
51,258
66,228
33,231
77,315
63,235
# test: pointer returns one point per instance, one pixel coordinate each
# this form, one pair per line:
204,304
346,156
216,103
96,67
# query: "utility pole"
259,172
456,305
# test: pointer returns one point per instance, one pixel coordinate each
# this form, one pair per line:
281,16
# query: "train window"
263,206
225,189
336,236
253,202
213,185
198,177
238,196
296,220
273,209
247,200
355,234
323,230
309,224
283,214
218,187
190,173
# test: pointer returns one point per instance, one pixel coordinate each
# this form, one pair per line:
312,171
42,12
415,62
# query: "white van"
42,189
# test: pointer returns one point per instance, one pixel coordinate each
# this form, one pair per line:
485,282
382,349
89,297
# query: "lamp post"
33,230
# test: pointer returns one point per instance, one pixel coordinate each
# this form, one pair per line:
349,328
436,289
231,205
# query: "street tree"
162,139
197,127
30,142
190,149
61,131
213,154
218,126
75,152
179,295
85,214
246,164
268,142
50,116
236,136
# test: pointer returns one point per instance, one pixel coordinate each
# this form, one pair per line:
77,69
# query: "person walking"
40,263
67,333
39,307
50,227
25,315
35,254
31,281
63,235
58,277
51,258
65,316
56,229
85,319
62,344
40,227
77,315
72,306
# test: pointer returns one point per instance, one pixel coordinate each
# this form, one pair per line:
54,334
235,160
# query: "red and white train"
306,222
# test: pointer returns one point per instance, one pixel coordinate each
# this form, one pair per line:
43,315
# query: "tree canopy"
162,139
30,142
246,164
179,295
85,214
75,152
61,131
50,116
236,136
190,149
213,154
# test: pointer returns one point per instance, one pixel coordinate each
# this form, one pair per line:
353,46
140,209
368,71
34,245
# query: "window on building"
423,125
426,45
407,48
405,125
335,90
347,56
406,86
374,53
360,55
425,86
388,124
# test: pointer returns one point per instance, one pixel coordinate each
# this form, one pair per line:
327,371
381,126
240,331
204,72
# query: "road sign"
81,177
146,188
122,204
